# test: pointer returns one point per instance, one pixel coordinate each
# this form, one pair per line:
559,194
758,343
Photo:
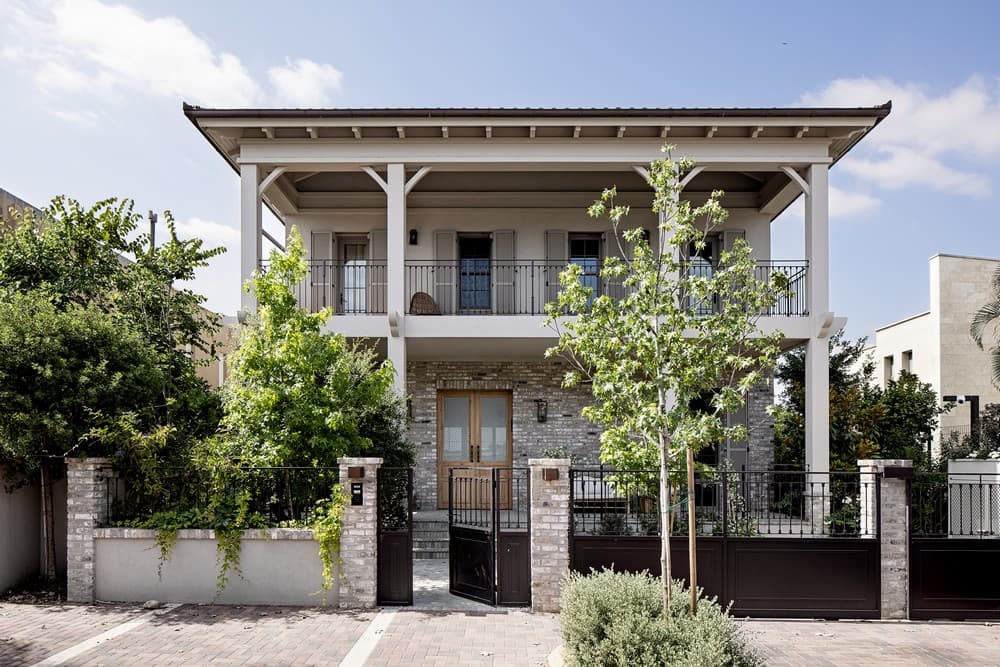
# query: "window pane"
456,428
493,428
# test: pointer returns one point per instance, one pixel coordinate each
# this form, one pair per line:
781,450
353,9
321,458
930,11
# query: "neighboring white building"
440,233
936,345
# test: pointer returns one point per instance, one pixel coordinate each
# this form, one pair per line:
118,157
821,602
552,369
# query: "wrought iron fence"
489,498
523,287
275,495
395,487
727,503
963,505
356,287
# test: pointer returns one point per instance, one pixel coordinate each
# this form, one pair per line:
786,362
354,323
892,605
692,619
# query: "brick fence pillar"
86,509
892,515
359,535
550,517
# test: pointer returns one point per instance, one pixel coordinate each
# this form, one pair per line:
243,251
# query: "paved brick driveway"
207,635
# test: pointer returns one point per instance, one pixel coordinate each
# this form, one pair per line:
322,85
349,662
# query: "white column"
395,269
818,239
817,236
250,230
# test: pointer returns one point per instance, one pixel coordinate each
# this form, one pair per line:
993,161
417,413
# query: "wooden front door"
474,432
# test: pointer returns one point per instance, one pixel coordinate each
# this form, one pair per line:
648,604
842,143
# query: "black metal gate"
489,542
954,546
774,544
395,536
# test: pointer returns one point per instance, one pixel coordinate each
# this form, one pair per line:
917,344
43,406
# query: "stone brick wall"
893,522
549,533
86,510
526,381
760,427
359,537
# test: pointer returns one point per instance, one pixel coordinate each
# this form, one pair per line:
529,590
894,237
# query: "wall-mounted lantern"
542,409
413,237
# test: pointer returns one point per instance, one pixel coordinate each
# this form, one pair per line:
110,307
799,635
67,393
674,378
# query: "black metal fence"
727,503
489,498
523,287
275,495
348,288
955,505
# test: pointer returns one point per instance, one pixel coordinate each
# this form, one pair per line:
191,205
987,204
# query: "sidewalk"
248,635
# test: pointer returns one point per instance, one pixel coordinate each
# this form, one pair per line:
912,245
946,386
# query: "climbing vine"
328,524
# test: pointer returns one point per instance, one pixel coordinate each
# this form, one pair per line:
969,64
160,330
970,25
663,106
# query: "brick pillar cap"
885,463
88,460
548,462
359,461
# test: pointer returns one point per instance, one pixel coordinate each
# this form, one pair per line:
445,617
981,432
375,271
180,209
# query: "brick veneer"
359,537
86,510
549,533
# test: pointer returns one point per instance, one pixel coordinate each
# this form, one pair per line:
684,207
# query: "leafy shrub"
613,524
612,618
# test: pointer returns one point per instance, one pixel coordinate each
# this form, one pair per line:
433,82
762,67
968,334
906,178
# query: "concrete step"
436,545
430,525
430,534
426,554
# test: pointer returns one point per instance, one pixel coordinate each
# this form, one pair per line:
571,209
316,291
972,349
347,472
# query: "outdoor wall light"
542,408
413,237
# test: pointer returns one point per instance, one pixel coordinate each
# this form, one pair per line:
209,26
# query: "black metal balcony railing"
349,288
489,287
523,287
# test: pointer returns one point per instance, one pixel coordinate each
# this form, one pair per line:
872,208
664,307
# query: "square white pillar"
395,270
250,231
817,236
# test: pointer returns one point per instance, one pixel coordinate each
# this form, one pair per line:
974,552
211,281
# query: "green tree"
95,257
300,396
652,356
66,375
986,319
865,420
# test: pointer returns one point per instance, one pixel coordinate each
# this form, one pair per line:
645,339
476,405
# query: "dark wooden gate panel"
954,578
802,577
514,569
470,563
395,536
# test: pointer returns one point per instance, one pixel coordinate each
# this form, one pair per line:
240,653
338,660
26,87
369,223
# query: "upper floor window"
585,252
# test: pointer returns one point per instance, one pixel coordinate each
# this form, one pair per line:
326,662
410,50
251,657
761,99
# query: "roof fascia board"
646,121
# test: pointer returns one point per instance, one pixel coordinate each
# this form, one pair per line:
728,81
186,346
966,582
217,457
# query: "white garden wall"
279,566
20,535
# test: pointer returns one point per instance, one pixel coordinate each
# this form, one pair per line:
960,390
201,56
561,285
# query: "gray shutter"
376,274
504,272
729,237
556,258
444,279
322,271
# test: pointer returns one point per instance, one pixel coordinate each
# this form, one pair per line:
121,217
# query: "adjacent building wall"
943,352
20,535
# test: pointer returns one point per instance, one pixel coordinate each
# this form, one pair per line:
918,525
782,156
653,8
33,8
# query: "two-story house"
440,233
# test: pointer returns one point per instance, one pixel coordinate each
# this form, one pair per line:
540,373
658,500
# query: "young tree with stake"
677,336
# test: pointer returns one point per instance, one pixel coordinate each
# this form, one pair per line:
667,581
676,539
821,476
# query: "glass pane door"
474,273
355,287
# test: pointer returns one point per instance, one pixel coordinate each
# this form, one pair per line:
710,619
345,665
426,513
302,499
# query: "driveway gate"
775,544
954,546
395,536
489,542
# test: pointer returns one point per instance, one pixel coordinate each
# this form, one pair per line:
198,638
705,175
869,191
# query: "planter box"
973,498
280,566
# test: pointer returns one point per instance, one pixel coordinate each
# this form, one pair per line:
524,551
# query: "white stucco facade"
936,345
405,192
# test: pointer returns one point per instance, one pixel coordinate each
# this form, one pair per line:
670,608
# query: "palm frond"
985,316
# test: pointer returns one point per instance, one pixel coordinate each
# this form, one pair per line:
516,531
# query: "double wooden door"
474,436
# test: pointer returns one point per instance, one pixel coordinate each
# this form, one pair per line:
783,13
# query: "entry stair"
430,535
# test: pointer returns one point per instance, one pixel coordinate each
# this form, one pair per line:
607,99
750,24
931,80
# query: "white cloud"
212,233
93,52
905,167
82,117
925,133
304,83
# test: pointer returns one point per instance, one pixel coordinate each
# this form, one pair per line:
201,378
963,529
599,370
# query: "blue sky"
93,92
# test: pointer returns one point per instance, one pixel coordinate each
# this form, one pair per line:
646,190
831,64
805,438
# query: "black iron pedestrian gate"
774,544
395,536
488,529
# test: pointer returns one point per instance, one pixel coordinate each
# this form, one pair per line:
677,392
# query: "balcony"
523,287
356,287
489,287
